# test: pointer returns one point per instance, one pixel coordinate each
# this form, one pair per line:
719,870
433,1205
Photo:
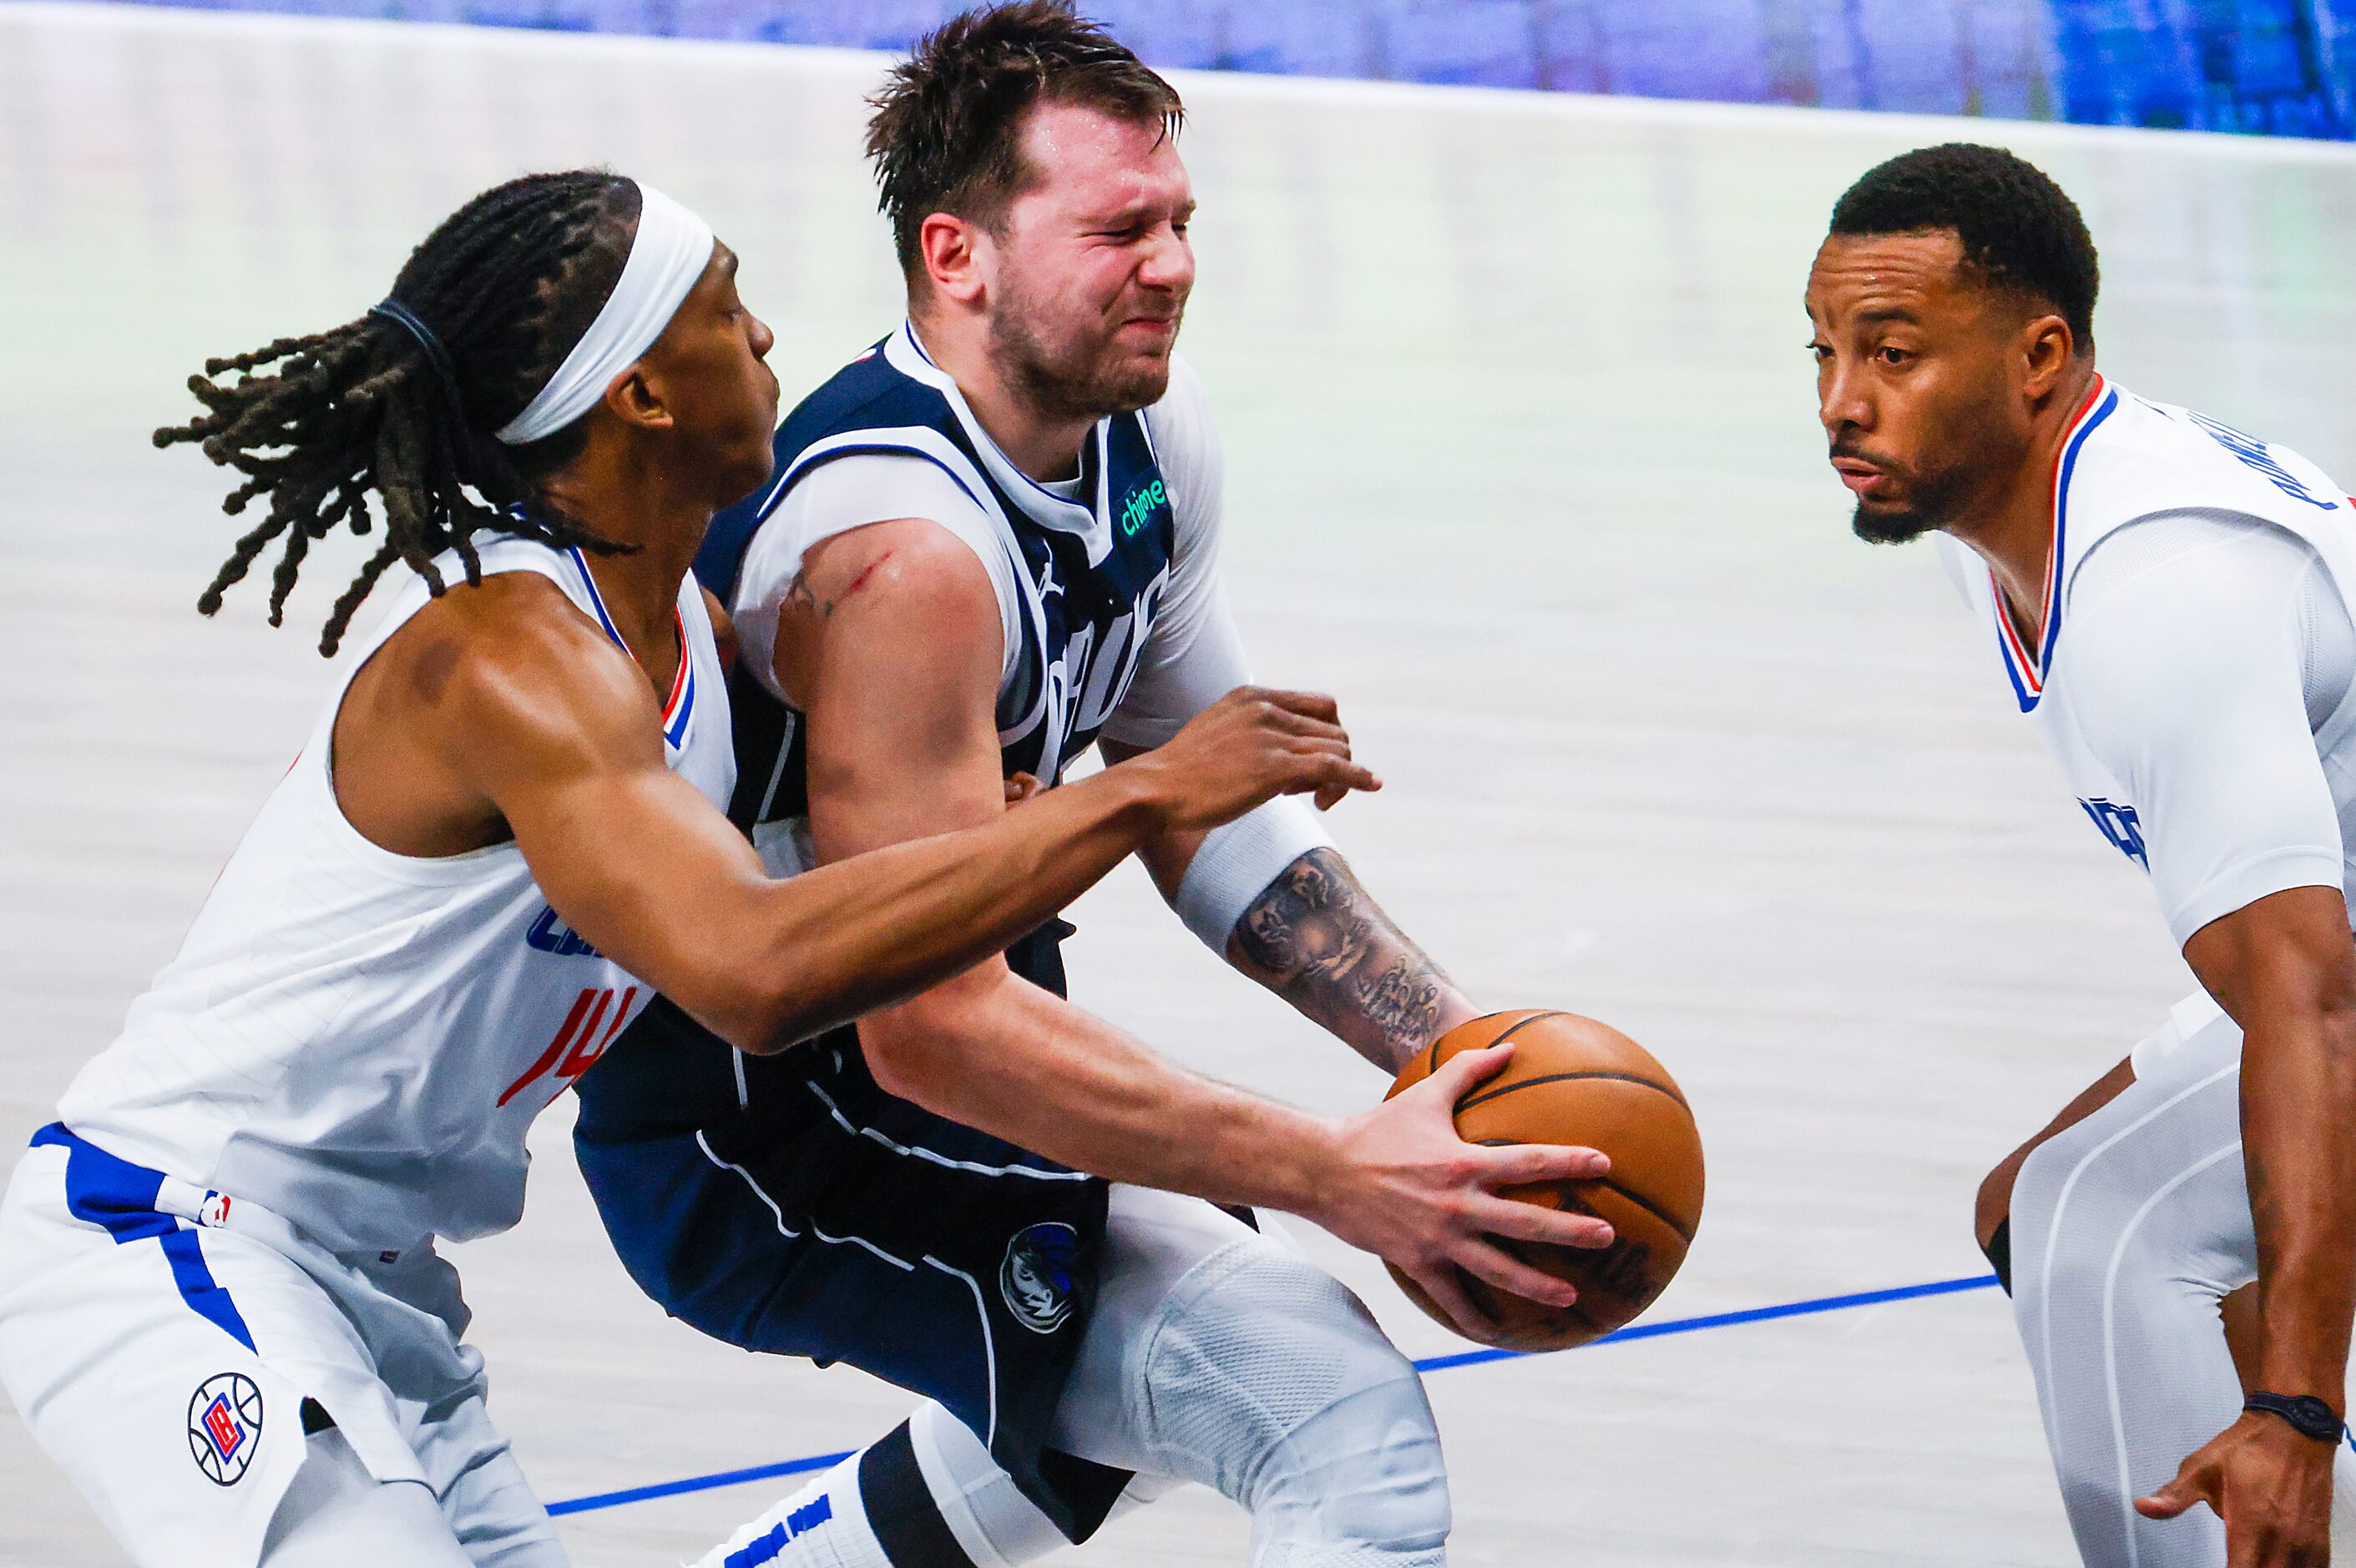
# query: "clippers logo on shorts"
1036,1277
225,1426
2120,825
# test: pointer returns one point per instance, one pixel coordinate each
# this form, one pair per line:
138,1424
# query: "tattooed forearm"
1316,940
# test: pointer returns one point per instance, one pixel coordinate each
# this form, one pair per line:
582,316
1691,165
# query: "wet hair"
2019,230
402,402
947,133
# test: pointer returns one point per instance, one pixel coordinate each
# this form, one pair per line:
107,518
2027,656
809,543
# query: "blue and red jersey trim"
2029,675
678,708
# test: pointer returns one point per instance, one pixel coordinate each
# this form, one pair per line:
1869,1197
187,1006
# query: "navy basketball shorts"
788,1204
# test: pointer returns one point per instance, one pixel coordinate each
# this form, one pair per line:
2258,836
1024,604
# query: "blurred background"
2267,66
1522,462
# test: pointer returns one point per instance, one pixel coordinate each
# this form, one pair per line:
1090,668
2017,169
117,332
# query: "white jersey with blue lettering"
357,1040
2194,674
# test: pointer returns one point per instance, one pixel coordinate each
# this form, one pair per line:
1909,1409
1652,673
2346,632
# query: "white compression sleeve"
824,1525
1222,1355
1237,862
2127,1228
995,1524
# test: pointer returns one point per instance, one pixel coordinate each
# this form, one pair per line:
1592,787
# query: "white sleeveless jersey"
2125,459
357,1040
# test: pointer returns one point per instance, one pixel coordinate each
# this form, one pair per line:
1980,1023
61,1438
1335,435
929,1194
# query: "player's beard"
1933,501
1077,375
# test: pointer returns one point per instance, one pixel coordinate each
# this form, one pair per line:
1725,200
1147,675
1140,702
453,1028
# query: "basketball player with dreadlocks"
991,542
2169,598
221,1305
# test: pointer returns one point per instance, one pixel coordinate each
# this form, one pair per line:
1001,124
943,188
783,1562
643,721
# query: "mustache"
1854,453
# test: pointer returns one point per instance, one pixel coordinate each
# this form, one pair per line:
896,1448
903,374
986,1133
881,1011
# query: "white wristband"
1237,862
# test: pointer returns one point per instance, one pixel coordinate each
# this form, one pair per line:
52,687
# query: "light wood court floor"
1523,467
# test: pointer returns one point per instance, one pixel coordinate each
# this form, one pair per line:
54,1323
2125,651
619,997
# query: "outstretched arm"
503,706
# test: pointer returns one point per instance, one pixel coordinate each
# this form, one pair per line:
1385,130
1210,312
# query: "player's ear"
2047,347
636,398
950,248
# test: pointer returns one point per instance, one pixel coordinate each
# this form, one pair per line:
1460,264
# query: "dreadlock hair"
2019,230
947,133
502,290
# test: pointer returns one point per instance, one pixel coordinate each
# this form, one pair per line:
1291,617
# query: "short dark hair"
499,294
946,134
2019,230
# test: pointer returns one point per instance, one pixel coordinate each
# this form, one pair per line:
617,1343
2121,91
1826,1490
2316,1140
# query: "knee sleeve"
1265,1378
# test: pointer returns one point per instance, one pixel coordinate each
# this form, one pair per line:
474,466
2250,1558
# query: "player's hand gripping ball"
1574,1081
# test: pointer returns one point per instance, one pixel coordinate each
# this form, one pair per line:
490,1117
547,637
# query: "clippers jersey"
2134,739
357,1040
1091,572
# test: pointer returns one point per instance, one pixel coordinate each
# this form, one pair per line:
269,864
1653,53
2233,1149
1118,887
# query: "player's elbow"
758,1016
921,1049
761,1007
904,1050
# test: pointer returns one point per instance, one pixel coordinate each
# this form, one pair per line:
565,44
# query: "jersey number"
578,1044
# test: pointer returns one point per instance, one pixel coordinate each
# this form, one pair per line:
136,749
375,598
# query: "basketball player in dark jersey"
990,542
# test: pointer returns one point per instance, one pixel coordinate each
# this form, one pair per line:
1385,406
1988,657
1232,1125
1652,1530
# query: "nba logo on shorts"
1036,1277
225,1426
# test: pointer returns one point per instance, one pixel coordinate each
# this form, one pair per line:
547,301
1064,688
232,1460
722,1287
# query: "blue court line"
1430,1364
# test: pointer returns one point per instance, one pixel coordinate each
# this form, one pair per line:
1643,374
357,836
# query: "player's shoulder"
2146,456
513,659
916,561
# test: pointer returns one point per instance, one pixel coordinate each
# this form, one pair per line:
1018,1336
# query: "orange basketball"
1574,1081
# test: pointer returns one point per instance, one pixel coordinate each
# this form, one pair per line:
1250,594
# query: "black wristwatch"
2309,1415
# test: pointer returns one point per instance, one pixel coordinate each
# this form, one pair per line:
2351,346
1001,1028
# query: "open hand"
1251,745
1411,1191
2270,1485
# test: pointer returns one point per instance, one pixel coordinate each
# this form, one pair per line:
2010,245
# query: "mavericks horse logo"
1036,1277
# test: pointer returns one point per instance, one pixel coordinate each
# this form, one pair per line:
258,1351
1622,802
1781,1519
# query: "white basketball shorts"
163,1342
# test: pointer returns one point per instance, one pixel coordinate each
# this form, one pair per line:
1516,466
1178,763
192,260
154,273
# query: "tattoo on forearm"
1316,940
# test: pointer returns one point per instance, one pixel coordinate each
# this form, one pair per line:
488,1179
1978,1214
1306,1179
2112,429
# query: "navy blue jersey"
1091,571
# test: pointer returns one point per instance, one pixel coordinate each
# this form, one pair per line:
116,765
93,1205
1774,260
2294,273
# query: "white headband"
672,248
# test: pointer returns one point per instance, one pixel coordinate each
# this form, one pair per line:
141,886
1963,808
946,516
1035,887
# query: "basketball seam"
1639,1200
1433,1065
1482,1098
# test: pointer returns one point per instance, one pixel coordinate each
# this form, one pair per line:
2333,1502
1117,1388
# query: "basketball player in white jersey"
221,1305
992,542
2168,599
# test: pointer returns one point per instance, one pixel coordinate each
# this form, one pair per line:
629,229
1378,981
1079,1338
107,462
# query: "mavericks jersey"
357,1040
1089,565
